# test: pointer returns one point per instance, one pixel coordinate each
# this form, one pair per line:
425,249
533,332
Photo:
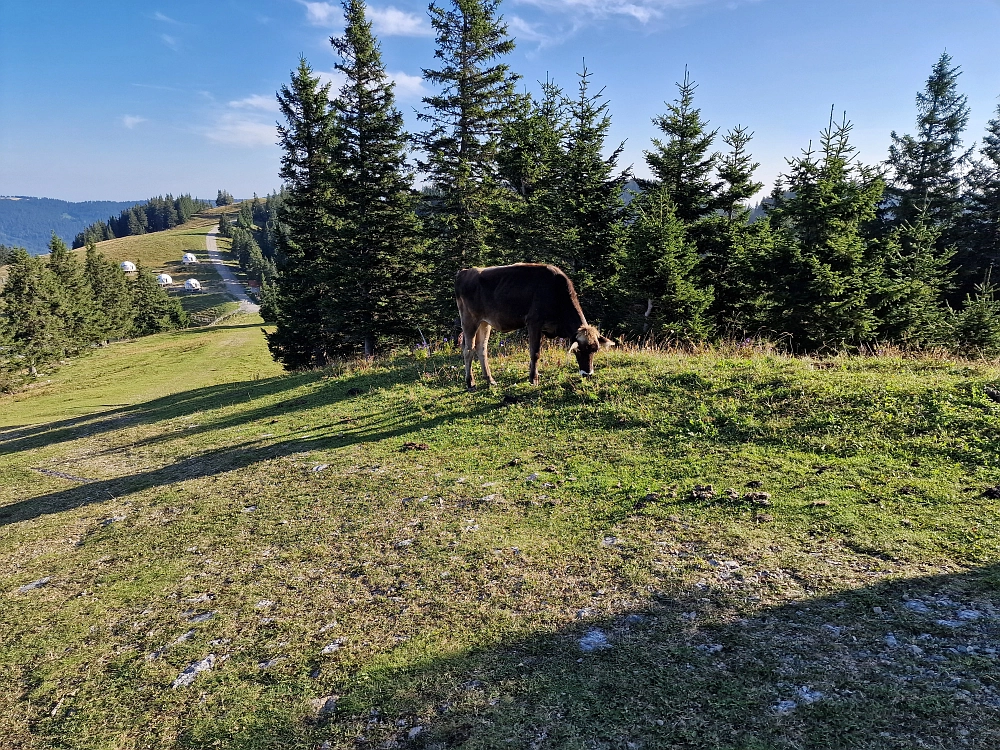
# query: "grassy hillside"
371,557
162,251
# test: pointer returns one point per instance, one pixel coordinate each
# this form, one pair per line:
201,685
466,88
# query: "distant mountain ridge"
29,222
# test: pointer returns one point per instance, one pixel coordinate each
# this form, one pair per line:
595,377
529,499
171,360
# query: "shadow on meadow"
900,664
215,461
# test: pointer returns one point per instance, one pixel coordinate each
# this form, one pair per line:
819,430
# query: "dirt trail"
229,282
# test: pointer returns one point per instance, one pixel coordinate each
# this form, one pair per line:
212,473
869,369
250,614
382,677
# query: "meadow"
727,548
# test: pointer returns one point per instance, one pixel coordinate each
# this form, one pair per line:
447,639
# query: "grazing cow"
535,296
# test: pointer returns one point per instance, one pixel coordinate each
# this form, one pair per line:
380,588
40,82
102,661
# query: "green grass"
457,546
162,252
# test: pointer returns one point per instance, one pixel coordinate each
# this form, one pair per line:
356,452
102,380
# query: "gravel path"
231,284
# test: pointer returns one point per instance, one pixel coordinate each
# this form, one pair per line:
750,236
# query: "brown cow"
535,296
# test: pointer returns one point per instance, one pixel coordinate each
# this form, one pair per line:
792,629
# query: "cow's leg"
469,329
534,346
482,340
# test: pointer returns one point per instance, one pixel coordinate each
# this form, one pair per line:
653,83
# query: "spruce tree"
31,309
111,292
660,272
977,325
913,310
476,97
681,161
76,305
726,241
591,191
225,226
531,155
824,274
735,170
925,179
304,336
155,310
379,283
979,227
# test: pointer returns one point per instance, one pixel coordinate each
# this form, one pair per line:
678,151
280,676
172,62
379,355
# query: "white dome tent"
127,266
189,258
192,285
164,279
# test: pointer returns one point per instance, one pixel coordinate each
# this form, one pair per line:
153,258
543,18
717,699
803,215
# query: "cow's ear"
574,346
605,342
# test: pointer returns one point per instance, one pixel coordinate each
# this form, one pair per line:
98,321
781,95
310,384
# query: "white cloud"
169,40
130,121
322,14
165,19
394,22
643,11
237,129
523,31
388,21
256,101
408,87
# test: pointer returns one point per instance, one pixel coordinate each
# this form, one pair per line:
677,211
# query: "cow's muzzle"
585,374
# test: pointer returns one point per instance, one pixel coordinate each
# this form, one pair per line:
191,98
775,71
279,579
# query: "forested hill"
29,222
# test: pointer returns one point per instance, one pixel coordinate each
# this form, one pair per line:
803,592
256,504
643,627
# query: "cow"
535,296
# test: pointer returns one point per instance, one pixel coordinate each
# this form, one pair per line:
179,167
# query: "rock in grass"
808,695
34,585
594,640
325,706
915,605
331,648
785,707
186,677
968,615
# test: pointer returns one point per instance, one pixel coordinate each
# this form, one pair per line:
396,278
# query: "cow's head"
586,343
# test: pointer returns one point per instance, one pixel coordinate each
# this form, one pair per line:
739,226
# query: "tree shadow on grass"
685,672
212,462
14,440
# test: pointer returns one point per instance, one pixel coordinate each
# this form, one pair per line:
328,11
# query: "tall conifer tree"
112,295
591,190
979,227
304,335
379,284
681,161
925,181
824,274
530,159
476,97
30,311
76,305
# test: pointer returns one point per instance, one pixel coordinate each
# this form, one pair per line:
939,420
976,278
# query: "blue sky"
119,99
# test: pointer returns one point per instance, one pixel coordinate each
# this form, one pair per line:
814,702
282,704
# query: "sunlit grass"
449,549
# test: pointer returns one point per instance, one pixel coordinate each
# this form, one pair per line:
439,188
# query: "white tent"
189,258
127,266
164,279
192,285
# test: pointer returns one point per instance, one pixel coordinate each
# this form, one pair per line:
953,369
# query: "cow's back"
510,296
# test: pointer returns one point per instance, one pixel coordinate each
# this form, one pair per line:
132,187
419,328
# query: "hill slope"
29,222
369,556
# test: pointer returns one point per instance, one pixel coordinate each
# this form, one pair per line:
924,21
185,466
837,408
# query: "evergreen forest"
56,307
843,255
155,215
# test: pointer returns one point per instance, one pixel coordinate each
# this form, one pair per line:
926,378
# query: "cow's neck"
571,323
